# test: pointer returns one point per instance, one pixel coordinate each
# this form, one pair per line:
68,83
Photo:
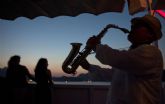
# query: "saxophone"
75,57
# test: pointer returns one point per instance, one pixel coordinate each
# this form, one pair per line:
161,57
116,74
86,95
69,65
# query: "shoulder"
48,70
148,51
149,48
22,67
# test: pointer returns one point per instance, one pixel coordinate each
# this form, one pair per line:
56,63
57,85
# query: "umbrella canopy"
11,9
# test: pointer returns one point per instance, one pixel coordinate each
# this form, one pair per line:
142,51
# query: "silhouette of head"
14,60
150,22
145,30
42,63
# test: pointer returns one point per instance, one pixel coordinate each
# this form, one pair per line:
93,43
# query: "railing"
80,93
68,93
63,93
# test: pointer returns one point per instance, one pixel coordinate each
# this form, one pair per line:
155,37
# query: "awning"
12,9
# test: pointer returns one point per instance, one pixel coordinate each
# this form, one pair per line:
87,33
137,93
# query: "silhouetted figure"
44,81
17,74
137,71
17,79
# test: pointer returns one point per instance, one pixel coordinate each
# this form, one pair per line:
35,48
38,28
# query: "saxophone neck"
102,33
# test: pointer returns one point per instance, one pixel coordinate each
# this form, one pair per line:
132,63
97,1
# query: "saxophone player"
136,72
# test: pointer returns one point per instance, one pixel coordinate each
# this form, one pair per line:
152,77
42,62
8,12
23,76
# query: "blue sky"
51,37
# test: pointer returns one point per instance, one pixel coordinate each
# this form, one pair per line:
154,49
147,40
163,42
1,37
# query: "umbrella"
12,9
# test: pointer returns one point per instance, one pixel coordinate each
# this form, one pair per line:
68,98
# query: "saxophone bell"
67,65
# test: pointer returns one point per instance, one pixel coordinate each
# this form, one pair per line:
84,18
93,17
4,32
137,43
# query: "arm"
29,75
50,77
96,72
100,74
144,58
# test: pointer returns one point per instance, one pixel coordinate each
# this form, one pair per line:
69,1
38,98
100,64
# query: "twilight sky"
51,37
